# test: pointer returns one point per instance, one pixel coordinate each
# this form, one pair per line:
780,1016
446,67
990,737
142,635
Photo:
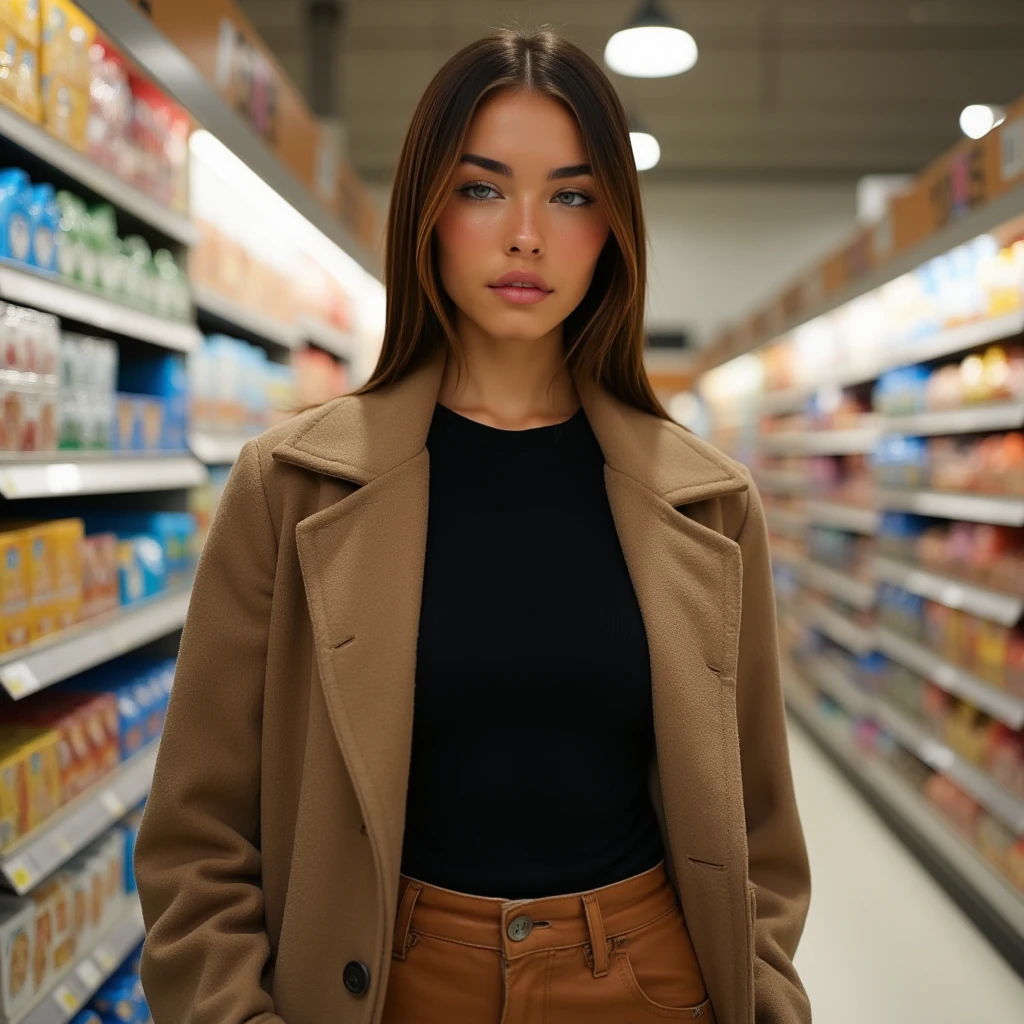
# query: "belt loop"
598,940
401,940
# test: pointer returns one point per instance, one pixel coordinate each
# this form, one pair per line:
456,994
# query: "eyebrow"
497,167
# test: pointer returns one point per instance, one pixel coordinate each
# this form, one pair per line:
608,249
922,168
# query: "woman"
526,763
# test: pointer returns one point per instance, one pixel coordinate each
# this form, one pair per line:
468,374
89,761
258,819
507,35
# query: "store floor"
884,942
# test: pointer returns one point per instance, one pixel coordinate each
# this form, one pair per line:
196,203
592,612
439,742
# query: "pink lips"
521,287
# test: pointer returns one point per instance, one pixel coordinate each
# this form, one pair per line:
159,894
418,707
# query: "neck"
509,382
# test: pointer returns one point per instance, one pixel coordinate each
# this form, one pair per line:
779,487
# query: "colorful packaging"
43,936
143,569
15,590
17,918
101,590
12,785
42,777
164,377
65,111
66,37
63,921
44,212
23,17
15,219
131,824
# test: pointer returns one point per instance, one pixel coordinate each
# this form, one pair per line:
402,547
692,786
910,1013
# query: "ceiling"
783,90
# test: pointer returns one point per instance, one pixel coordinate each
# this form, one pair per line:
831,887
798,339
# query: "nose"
524,237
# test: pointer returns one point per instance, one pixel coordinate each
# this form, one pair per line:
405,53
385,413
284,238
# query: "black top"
533,728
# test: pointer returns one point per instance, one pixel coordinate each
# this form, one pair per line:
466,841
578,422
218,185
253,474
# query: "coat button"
356,977
519,928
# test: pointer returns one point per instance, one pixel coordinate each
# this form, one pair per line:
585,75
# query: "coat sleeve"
197,860
778,863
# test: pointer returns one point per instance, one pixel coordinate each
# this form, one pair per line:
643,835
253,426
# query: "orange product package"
17,918
100,582
63,922
41,777
15,589
43,932
12,785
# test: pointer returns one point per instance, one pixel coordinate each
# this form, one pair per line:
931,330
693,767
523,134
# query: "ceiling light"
646,151
651,46
979,119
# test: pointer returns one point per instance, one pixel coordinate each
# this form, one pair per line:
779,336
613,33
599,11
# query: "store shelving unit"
852,518
824,442
993,605
87,973
984,894
54,295
51,475
217,449
974,508
330,339
47,848
857,593
41,144
234,317
1002,705
843,630
786,522
969,420
780,481
91,643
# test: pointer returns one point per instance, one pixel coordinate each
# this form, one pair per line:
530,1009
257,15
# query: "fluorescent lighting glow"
646,151
979,119
651,51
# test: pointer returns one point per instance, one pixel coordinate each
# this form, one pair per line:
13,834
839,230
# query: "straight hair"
604,336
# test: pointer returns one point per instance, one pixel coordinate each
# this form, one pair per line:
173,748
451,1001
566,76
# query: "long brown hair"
604,335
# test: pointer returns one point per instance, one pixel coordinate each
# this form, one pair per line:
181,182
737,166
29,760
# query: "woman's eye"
478,191
573,199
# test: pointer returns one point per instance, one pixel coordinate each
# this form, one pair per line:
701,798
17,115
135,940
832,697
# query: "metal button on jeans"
519,928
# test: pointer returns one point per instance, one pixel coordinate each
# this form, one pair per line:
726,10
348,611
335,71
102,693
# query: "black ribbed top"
533,728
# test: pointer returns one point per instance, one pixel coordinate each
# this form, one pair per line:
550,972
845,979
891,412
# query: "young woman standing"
477,715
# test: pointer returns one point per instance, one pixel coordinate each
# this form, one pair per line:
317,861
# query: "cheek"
579,246
462,235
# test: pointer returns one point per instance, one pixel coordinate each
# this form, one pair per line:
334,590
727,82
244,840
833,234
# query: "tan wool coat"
269,855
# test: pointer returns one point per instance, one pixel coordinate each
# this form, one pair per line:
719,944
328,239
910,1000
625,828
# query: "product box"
138,423
41,792
112,849
15,589
12,785
65,111
63,921
101,590
17,921
143,569
55,574
66,37
43,935
23,17
164,377
15,219
20,84
45,216
87,1017
131,825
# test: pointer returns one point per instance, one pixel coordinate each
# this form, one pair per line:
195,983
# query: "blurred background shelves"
233,318
90,643
842,517
27,476
39,854
975,508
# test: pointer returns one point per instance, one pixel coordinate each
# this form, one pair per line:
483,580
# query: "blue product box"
174,531
142,568
86,1017
131,833
44,212
120,1000
164,377
15,219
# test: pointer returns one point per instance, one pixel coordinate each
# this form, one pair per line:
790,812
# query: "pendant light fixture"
977,120
646,150
651,45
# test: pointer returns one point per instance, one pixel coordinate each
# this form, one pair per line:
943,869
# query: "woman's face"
523,203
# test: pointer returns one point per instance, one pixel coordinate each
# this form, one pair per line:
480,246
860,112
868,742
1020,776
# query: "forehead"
519,126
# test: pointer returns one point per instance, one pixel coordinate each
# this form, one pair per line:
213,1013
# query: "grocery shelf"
54,295
217,449
969,420
843,517
1000,704
103,473
990,898
837,627
786,521
87,973
251,322
782,402
1006,609
996,799
781,481
40,143
30,669
834,681
821,442
854,592
330,339
36,856
975,508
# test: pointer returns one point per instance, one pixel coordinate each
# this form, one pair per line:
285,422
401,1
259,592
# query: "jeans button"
519,928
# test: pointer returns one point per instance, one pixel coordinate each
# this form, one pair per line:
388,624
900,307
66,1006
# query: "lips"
521,279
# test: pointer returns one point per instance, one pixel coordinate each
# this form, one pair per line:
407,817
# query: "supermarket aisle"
883,941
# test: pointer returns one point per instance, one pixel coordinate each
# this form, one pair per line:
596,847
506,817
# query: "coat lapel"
362,561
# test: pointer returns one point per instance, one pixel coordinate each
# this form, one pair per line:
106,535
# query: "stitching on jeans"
457,942
627,975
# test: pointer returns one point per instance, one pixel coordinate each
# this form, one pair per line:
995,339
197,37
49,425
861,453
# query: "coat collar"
361,437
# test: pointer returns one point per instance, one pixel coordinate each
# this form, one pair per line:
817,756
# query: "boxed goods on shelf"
163,377
174,533
87,385
34,754
20,80
23,17
121,1000
29,363
17,920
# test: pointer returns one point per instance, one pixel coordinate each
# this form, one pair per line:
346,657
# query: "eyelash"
466,189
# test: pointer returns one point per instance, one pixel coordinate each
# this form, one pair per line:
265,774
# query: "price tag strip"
19,680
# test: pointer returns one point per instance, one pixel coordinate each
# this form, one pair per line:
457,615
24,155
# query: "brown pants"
618,954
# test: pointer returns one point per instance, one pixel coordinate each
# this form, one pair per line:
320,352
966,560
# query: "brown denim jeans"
616,955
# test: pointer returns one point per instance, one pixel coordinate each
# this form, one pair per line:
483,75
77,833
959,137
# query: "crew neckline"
576,426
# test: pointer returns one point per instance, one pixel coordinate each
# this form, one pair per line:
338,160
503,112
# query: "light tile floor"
883,941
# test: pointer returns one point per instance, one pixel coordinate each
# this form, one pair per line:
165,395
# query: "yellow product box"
23,17
17,920
15,589
63,921
69,542
42,792
12,785
19,75
43,936
66,37
66,112
80,881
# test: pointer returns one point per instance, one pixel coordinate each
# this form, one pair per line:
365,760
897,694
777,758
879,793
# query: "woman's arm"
197,861
777,854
